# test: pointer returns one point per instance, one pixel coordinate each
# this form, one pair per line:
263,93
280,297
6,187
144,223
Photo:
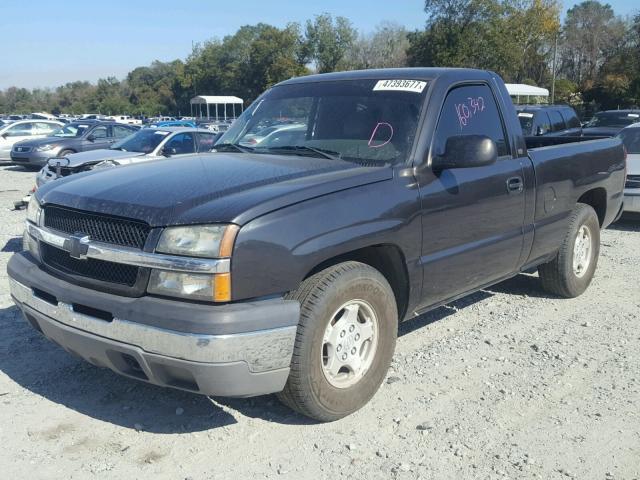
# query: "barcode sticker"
415,86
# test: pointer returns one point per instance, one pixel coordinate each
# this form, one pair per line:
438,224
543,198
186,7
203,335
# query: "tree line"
594,53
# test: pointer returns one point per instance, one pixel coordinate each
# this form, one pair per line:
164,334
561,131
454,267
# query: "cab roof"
414,73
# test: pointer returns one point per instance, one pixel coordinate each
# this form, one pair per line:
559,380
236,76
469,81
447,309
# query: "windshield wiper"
321,152
234,147
118,148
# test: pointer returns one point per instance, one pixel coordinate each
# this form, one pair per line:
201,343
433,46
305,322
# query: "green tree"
327,41
591,30
386,47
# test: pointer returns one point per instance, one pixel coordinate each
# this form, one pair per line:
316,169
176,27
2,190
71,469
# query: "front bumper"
199,354
632,200
34,157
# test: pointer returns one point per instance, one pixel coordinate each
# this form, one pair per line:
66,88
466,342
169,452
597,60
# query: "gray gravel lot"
507,383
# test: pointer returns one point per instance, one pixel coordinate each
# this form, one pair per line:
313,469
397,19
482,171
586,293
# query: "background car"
71,138
549,120
20,130
610,122
255,138
631,140
175,123
144,145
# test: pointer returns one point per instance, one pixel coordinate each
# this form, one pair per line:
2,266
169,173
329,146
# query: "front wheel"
344,343
570,272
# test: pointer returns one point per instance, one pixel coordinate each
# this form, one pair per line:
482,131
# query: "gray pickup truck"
286,268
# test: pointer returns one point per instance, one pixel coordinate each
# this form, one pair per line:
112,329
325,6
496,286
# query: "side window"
470,110
543,125
99,132
182,143
557,123
570,118
20,130
206,141
45,128
121,132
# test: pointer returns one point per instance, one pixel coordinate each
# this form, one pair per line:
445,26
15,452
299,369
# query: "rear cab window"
557,122
570,118
526,122
470,110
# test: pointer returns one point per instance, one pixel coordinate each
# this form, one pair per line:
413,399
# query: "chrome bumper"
262,351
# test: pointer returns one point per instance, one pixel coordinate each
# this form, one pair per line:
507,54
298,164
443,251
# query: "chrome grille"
101,228
60,260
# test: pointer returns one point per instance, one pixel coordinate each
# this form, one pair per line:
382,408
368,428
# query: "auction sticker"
415,86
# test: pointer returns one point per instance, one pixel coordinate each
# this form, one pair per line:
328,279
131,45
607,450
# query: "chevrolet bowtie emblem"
77,245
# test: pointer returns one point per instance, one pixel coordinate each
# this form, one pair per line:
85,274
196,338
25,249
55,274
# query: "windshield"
613,119
71,130
631,140
143,141
354,120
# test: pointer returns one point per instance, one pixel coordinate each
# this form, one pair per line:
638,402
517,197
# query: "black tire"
64,153
558,276
307,390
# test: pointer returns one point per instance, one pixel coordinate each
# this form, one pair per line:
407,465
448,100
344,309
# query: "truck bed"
540,142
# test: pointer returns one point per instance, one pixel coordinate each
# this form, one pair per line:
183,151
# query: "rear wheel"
344,343
570,272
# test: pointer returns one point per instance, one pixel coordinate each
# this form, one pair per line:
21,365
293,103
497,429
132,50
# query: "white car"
254,139
144,145
24,130
126,119
631,139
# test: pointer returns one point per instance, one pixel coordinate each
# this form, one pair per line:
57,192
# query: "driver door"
98,138
472,218
180,144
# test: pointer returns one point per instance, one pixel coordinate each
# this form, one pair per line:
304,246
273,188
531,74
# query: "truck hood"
217,187
36,142
95,156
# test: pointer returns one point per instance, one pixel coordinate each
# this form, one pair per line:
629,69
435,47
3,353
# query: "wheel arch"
388,259
597,199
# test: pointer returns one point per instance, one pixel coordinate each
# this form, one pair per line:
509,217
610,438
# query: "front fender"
275,252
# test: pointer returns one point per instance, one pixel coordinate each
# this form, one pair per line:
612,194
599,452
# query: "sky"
47,43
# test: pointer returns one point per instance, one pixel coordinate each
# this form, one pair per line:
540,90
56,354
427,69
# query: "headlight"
209,241
33,210
190,285
46,147
30,244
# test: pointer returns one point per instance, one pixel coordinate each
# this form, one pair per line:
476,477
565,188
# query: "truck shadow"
43,368
13,245
628,223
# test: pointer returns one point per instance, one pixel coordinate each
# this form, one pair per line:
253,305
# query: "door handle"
515,185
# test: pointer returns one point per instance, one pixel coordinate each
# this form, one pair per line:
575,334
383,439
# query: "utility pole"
553,80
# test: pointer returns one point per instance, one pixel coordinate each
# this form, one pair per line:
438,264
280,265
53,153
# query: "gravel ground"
507,383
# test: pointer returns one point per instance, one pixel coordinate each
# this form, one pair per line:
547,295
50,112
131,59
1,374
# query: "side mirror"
466,151
168,151
540,131
5,135
91,138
